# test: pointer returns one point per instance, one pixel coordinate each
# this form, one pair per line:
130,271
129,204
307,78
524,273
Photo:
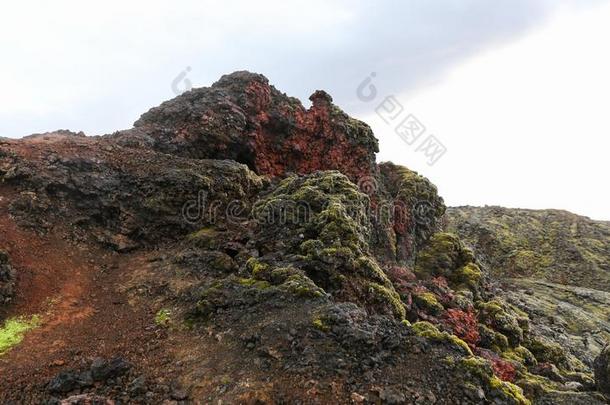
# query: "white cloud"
525,125
522,113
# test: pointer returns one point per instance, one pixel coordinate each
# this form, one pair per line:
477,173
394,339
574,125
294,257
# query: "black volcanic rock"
7,279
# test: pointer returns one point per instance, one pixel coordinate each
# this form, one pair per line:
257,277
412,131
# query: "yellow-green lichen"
202,234
445,255
163,317
429,331
550,352
252,282
498,315
319,324
535,386
468,275
14,330
521,355
481,370
385,295
257,268
427,302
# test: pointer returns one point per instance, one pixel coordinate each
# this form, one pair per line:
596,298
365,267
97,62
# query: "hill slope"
236,246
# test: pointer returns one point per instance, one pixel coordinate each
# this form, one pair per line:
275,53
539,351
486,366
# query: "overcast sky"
516,91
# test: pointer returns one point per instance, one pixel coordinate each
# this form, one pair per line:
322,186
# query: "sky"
511,93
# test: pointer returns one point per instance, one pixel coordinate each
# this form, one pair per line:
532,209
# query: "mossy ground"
14,330
163,317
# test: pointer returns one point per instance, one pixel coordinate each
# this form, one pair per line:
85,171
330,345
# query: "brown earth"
84,315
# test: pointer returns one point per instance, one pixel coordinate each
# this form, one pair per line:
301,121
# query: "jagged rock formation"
275,260
242,118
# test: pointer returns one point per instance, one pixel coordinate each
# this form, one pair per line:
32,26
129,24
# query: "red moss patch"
503,369
463,324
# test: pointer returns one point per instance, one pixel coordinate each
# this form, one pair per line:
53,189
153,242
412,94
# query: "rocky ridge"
276,260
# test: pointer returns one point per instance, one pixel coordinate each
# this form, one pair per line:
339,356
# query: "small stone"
179,395
573,386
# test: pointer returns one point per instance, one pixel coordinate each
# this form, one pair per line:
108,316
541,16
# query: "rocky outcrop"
270,228
121,196
553,266
7,279
243,118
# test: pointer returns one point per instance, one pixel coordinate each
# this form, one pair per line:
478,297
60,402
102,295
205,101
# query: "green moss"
203,234
490,339
536,386
427,301
552,245
385,295
286,279
302,286
332,246
498,316
521,355
369,268
476,366
525,262
481,370
468,275
14,330
550,352
257,268
429,331
445,255
163,317
319,324
251,282
228,292
547,352
508,390
440,257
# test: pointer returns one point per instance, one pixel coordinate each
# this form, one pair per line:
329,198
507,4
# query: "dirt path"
76,290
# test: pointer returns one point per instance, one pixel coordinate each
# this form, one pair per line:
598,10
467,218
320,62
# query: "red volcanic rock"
243,118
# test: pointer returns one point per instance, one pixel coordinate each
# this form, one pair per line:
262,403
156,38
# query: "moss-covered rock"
407,211
287,279
429,331
548,352
479,369
498,316
445,255
551,245
320,220
427,302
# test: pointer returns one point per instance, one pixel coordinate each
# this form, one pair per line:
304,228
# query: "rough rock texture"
602,370
551,245
243,118
7,279
555,267
253,251
122,196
